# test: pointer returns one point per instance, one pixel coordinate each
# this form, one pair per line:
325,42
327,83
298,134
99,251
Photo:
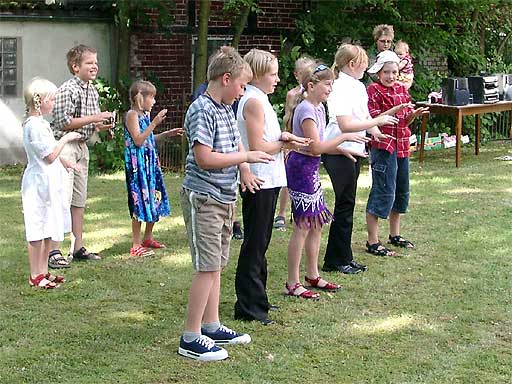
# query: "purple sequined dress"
308,204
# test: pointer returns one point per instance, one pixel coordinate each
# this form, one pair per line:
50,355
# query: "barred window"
10,67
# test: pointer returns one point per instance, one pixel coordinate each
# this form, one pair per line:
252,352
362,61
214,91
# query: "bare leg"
372,225
284,201
295,247
136,225
211,312
199,294
394,223
77,228
35,252
312,249
148,232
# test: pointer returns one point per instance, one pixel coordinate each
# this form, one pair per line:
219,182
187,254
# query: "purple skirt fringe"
308,204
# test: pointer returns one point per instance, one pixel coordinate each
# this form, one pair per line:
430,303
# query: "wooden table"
459,111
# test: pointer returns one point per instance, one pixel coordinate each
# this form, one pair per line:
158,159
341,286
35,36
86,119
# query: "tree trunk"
240,25
201,54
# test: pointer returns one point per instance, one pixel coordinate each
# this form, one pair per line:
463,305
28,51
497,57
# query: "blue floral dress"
147,198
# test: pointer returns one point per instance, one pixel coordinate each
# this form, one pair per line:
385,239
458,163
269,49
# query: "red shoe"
152,243
42,282
326,287
305,294
139,250
55,279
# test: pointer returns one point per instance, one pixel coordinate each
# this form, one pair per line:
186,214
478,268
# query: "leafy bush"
107,154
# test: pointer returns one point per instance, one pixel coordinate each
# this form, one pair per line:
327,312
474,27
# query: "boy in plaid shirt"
389,196
77,109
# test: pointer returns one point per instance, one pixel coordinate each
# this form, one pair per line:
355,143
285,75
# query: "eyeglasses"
320,68
385,41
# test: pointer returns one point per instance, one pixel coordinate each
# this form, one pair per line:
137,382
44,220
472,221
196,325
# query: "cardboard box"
432,143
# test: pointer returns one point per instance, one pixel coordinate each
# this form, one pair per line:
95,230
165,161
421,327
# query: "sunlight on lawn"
115,176
391,324
15,195
132,315
177,259
457,191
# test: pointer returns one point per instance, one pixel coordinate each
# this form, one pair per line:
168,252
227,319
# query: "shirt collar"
80,82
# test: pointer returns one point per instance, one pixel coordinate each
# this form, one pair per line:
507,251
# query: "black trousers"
344,174
251,273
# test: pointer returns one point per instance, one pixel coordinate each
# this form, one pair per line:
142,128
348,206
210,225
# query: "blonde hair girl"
308,205
46,210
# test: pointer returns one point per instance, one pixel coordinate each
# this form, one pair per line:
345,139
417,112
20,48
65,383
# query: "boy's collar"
81,82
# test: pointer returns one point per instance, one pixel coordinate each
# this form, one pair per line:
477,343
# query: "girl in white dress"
45,208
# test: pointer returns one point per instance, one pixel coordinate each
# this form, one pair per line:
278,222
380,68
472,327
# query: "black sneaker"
355,264
203,349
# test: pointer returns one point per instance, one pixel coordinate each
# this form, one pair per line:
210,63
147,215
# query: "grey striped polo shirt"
213,125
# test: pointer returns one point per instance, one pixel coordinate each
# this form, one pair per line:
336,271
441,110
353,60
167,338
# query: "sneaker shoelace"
222,328
206,342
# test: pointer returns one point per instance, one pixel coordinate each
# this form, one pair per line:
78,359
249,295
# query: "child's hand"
70,136
248,181
258,157
386,120
160,117
351,154
399,107
287,136
352,136
378,136
98,127
173,132
421,111
70,166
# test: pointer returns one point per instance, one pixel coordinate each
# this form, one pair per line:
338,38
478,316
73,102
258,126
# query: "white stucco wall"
44,45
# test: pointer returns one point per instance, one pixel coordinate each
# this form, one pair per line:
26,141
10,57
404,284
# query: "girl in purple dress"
308,205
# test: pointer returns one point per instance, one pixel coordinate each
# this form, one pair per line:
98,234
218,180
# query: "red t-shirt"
381,99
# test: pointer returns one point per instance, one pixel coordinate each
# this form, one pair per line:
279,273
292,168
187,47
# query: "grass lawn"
439,314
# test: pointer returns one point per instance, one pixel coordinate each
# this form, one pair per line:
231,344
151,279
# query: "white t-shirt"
348,98
273,173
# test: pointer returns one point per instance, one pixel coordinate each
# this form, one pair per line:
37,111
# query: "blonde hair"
75,55
383,29
37,90
401,46
313,74
138,91
347,53
260,61
228,60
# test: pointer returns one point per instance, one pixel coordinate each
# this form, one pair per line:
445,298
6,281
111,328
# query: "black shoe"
355,264
349,269
274,307
266,321
237,231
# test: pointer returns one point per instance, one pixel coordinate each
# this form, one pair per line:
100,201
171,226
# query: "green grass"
438,314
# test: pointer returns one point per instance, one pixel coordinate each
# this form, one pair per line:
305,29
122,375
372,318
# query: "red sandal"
139,250
42,282
152,243
55,278
306,294
327,287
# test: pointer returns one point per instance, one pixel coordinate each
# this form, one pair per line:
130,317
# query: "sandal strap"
378,249
55,278
400,241
41,281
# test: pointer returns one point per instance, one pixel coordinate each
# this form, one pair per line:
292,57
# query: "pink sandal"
139,251
326,287
41,281
152,243
306,294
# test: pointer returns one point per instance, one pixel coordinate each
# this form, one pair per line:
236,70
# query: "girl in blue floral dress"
147,198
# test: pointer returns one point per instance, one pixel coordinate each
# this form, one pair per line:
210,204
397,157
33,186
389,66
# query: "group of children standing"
246,152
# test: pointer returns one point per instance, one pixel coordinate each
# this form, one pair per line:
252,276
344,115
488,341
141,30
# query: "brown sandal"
55,278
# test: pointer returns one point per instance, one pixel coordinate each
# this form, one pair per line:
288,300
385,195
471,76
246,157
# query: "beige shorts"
76,187
209,228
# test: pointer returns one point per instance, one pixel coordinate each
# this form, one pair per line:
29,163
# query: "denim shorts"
390,184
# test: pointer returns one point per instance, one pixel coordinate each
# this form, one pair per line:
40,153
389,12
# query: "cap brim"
375,68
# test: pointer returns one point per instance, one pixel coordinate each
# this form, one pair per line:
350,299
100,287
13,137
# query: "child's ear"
226,78
75,66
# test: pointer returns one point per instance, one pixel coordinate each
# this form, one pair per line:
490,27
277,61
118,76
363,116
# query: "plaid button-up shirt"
74,98
381,99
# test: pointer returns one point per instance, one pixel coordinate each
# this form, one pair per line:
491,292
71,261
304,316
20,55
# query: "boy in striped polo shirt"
215,156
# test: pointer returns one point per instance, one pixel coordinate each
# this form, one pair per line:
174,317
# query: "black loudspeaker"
455,91
485,89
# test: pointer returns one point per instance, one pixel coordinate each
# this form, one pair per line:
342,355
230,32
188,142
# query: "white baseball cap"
383,58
